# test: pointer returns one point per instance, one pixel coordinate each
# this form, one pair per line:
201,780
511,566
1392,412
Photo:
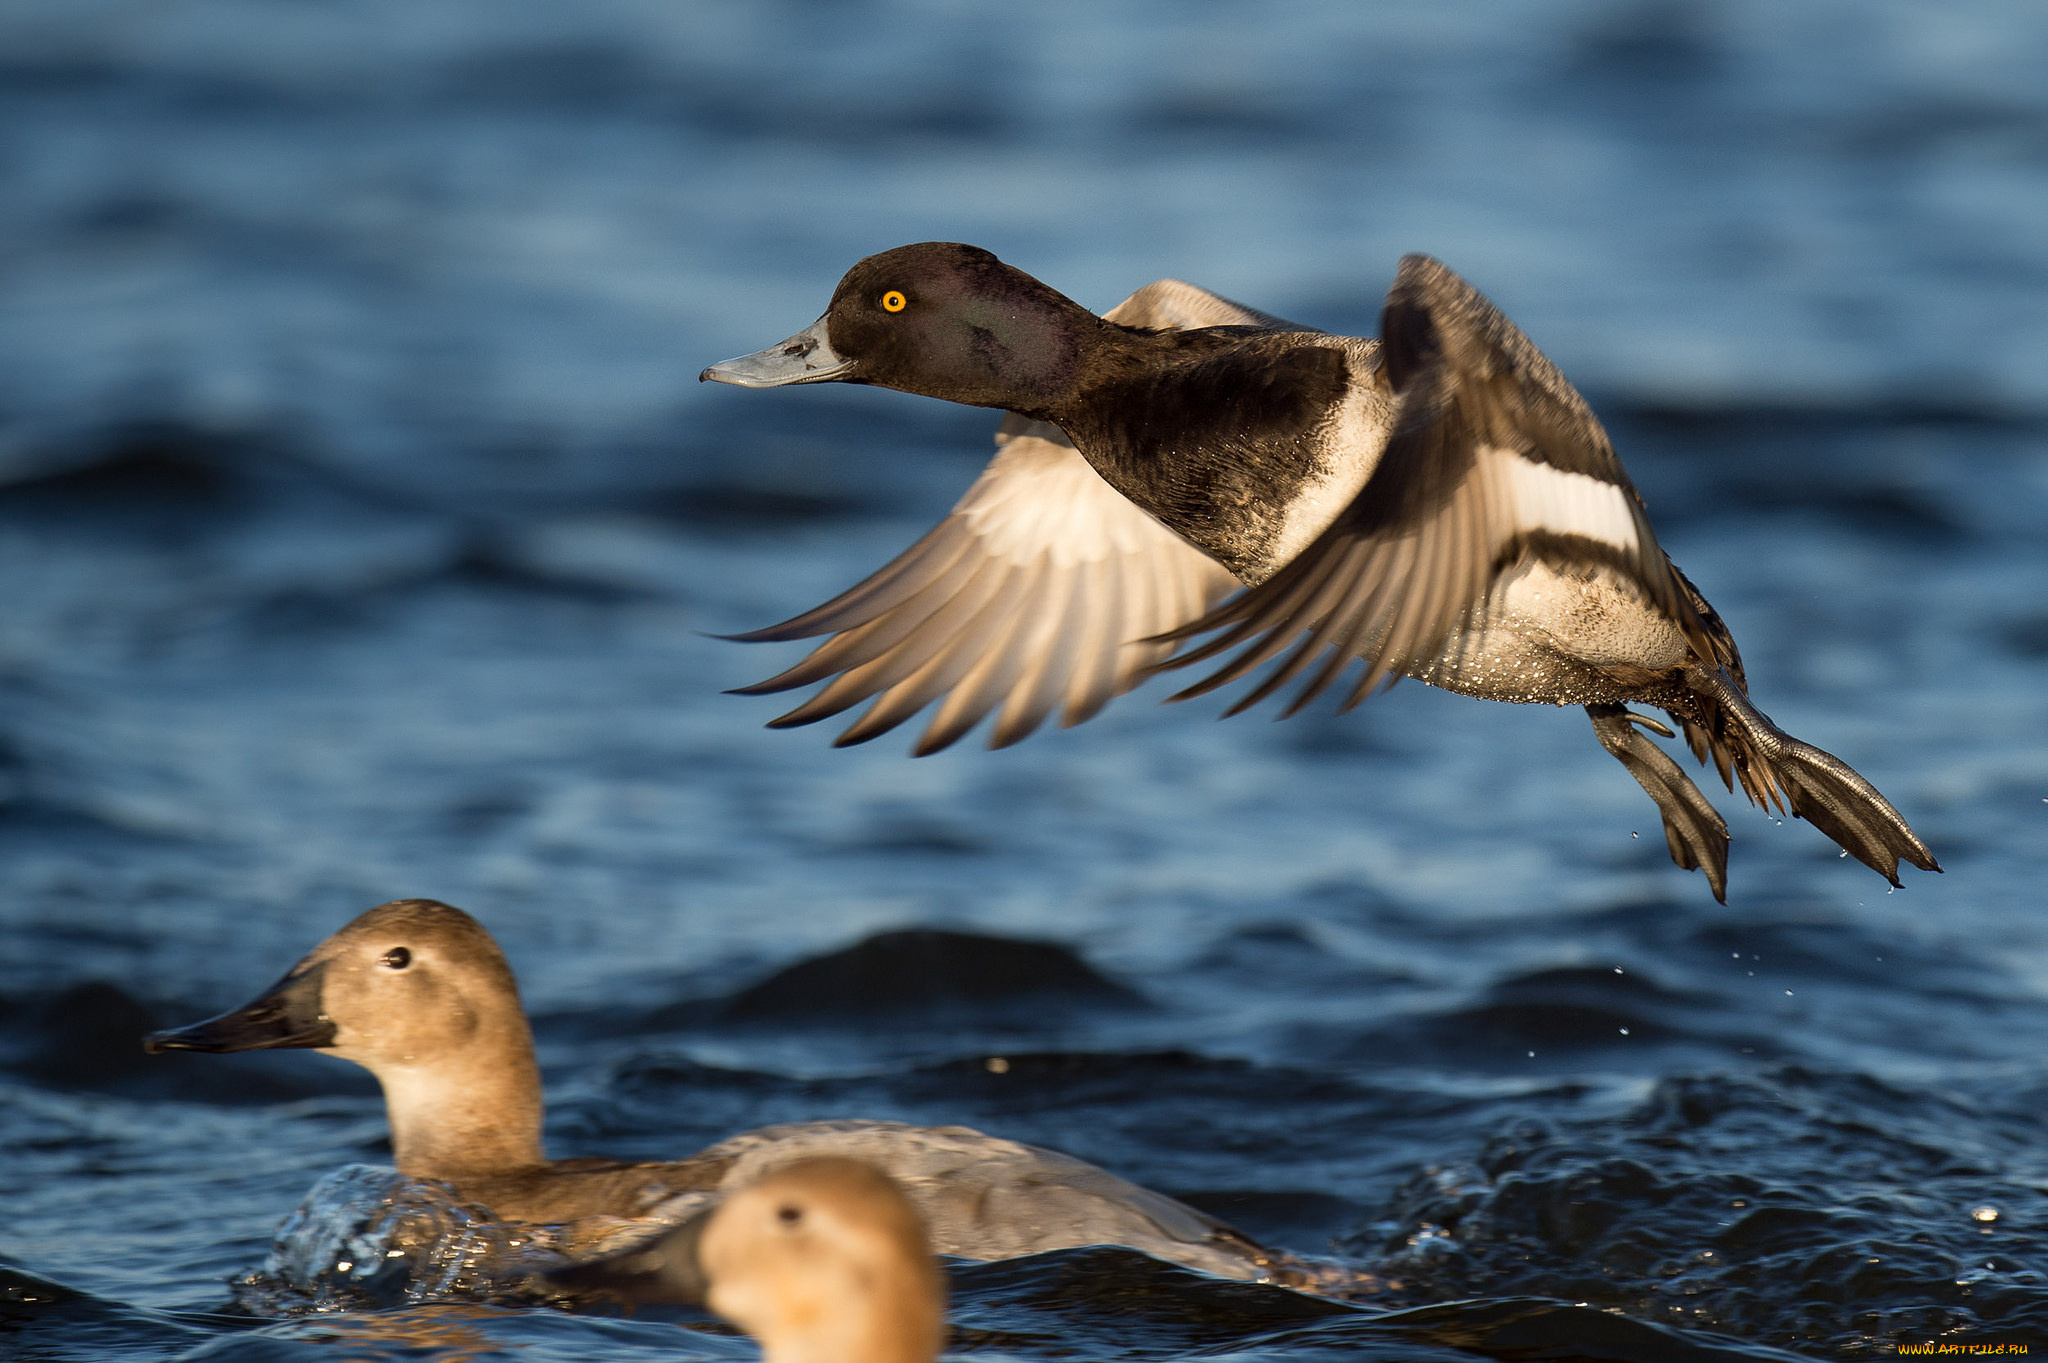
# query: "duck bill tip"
287,1015
807,357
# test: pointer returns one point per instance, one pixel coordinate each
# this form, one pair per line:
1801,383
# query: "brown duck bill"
288,1014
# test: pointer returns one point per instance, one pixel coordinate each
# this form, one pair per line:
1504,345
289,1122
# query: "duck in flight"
1438,504
823,1261
418,993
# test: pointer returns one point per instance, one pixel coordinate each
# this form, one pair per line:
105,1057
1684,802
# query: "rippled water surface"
363,534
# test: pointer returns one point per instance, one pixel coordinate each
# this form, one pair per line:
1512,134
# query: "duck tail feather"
1813,784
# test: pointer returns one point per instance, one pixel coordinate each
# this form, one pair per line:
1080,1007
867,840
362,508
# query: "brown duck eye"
893,301
398,958
789,1213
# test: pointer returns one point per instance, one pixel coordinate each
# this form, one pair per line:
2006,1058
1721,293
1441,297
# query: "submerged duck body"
1439,504
418,993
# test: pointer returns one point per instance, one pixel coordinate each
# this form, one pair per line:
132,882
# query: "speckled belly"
1560,639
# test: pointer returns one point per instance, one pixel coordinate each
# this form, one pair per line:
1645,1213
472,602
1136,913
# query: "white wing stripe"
1547,498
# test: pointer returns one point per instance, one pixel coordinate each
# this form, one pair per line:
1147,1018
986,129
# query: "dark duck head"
942,320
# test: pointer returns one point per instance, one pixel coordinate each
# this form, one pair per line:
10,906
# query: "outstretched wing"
1043,590
1494,459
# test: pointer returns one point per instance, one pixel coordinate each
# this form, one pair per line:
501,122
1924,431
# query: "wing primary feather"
1040,690
857,647
1349,639
1491,520
1468,563
1141,620
1327,617
1246,627
940,549
929,637
1094,684
1319,585
1362,624
1413,619
1311,643
992,675
1291,589
1458,557
941,670
813,667
1380,664
863,643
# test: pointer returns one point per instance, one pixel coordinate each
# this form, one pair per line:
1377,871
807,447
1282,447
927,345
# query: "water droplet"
400,1254
342,1265
1532,1055
1634,834
1788,993
1986,1213
1844,852
1624,1031
1619,971
996,1064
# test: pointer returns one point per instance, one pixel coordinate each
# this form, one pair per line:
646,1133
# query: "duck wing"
983,1197
1043,589
1494,460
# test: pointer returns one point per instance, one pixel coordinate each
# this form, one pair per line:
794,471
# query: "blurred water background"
362,527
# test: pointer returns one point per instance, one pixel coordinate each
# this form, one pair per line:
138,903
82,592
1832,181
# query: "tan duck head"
417,993
823,1261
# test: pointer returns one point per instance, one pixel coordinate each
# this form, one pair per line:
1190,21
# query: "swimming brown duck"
419,994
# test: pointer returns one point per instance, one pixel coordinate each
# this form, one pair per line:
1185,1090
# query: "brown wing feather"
1397,579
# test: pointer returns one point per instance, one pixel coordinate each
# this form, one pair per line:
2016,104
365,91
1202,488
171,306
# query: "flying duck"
418,993
1438,504
823,1261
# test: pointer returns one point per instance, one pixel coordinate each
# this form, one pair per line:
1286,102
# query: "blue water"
363,529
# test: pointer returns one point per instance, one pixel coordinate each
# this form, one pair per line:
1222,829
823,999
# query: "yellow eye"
893,301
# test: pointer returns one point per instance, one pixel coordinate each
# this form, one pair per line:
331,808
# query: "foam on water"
370,1238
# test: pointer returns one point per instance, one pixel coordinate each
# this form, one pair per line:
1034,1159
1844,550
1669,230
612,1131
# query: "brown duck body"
570,1190
1438,504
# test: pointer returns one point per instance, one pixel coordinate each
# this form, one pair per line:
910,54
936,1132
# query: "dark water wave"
1097,1302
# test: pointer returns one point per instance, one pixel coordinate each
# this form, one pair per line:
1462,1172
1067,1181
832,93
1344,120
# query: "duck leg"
1692,827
